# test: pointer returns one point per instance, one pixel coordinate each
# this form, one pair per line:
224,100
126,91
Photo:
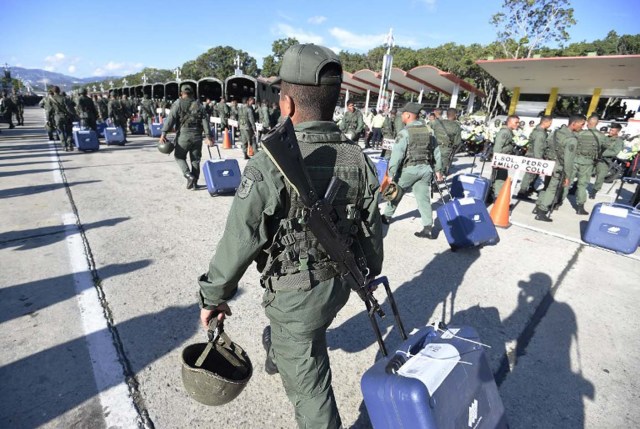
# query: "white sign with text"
523,164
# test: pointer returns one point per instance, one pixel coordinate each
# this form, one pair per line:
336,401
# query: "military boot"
269,365
191,180
543,216
425,233
580,210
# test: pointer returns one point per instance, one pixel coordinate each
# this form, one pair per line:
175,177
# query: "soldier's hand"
221,311
163,139
208,141
565,182
439,176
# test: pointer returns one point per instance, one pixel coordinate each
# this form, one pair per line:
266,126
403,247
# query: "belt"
301,281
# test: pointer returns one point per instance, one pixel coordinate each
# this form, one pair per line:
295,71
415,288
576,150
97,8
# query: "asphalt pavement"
99,256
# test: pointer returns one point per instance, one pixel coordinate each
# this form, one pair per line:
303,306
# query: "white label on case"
614,211
467,179
432,365
466,201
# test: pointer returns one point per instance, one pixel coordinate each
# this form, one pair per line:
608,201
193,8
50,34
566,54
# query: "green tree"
219,62
271,63
525,25
352,62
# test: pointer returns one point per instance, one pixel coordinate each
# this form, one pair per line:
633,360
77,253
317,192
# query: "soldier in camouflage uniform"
64,114
561,148
590,144
191,120
247,125
503,144
8,109
536,145
449,135
223,113
302,291
414,159
50,121
610,149
352,123
147,113
18,101
87,111
118,114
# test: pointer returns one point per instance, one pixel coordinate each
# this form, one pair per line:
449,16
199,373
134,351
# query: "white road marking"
117,404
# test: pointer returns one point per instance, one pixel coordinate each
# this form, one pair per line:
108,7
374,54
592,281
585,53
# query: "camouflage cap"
186,88
303,64
412,108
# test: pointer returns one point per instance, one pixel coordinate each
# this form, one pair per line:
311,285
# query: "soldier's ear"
287,105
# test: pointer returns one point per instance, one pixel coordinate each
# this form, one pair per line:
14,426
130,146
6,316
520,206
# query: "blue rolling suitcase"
470,186
86,140
114,135
221,175
100,127
381,164
156,130
137,128
615,226
436,379
465,222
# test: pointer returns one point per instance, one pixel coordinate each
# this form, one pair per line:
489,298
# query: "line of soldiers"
578,154
10,106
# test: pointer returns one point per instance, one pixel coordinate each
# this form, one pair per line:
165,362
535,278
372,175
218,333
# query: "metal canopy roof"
616,75
427,78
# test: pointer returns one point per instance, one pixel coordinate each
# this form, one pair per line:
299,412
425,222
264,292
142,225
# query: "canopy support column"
594,101
553,99
514,100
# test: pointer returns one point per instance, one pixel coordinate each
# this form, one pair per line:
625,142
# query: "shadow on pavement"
45,385
28,298
36,189
38,237
542,375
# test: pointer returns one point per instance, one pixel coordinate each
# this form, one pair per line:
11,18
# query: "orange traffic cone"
250,150
226,141
500,210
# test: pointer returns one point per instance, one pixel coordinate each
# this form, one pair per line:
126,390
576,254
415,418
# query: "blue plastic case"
435,379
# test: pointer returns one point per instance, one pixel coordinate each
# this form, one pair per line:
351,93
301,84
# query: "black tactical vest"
296,260
419,148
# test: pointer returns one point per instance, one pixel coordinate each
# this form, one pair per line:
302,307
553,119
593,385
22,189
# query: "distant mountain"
35,78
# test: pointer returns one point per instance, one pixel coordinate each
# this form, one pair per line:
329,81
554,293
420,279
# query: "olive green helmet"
392,193
167,147
214,373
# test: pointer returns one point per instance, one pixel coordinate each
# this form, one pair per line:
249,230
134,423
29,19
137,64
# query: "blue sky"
97,38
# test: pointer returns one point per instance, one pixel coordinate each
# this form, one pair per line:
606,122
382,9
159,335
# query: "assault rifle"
281,145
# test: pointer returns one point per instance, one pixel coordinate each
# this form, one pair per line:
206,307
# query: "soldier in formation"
415,158
302,292
87,111
449,135
247,125
536,146
117,111
503,143
561,148
611,146
64,114
188,116
352,123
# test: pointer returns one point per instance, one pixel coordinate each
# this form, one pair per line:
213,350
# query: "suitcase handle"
383,280
209,149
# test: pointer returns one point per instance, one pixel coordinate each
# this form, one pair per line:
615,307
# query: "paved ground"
99,254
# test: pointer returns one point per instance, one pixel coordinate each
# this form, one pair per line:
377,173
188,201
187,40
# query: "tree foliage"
271,63
525,25
218,62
